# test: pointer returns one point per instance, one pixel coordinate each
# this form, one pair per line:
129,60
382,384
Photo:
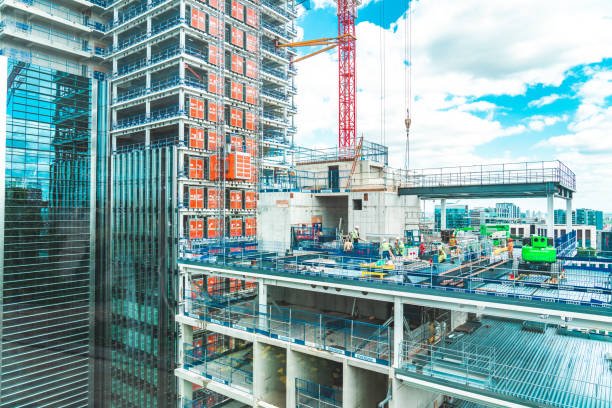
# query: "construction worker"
355,234
385,250
399,249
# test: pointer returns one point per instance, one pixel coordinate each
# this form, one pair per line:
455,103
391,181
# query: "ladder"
355,160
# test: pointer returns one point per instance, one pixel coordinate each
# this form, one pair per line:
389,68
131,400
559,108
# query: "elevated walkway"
507,180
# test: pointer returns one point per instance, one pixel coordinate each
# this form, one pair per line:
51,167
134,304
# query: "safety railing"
134,12
274,94
276,30
44,34
288,13
476,367
494,276
140,37
369,151
309,394
361,340
219,368
156,86
56,10
506,173
204,399
141,119
279,52
277,73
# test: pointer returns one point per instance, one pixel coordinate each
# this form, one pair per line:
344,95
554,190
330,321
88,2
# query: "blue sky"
490,82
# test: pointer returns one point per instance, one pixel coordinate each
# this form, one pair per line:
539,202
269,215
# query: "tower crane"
345,41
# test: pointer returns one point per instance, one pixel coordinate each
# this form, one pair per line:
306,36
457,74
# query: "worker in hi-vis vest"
355,234
399,248
385,250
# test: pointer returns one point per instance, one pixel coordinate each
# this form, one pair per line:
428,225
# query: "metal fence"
312,395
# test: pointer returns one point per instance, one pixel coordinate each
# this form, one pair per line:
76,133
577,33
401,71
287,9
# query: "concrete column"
262,299
185,389
294,370
269,371
443,214
550,216
407,396
568,215
398,331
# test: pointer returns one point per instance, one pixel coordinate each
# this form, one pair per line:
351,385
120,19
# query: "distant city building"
507,211
457,216
585,216
586,235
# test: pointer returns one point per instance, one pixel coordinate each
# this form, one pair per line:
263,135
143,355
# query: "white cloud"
543,101
461,50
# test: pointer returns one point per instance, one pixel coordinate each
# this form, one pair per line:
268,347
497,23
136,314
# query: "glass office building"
46,279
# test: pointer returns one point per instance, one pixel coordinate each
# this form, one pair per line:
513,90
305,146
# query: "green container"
539,251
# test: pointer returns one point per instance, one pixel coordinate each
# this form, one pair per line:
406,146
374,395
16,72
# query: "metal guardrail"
571,286
506,173
309,394
361,340
222,369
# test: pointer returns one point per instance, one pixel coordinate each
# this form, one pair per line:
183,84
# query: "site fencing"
312,395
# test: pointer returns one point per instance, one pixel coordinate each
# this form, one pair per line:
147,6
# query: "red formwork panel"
213,198
251,144
237,10
250,285
250,200
196,138
213,26
235,284
250,226
213,227
251,69
250,121
237,37
213,168
235,227
252,18
235,199
237,91
251,43
236,142
196,108
238,166
196,168
236,117
237,64
214,56
196,228
198,19
251,94
218,4
196,197
215,111
213,142
215,85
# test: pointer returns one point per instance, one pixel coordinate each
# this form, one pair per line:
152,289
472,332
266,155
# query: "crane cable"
407,80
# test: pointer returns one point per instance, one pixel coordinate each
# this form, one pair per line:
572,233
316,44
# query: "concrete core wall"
362,388
270,371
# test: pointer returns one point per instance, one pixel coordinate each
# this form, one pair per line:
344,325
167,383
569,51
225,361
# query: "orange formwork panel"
213,227
250,200
251,94
196,168
251,145
213,168
213,141
198,19
236,142
251,43
218,4
237,64
214,27
215,112
237,91
196,228
238,166
237,37
215,85
196,108
235,199
214,56
237,10
250,121
213,199
235,227
250,226
251,69
252,18
196,138
196,197
236,117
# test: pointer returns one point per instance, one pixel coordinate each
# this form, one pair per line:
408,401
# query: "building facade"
457,216
507,211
